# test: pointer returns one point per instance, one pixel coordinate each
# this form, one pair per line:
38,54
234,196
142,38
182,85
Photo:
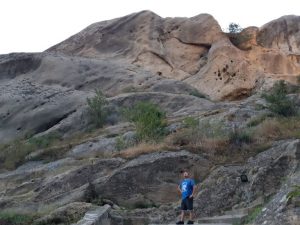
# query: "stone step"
222,219
238,211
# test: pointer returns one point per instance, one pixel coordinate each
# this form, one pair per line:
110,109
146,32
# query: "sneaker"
190,222
180,222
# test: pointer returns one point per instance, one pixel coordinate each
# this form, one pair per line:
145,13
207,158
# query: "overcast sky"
35,25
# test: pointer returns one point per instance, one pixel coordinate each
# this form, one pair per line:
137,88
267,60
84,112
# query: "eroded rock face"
41,92
151,178
143,57
195,50
283,34
141,52
223,189
282,209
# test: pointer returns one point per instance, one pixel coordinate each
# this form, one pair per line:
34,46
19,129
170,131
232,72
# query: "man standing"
187,189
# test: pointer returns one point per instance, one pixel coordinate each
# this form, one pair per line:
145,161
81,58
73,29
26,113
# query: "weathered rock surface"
168,61
283,209
283,34
97,216
150,178
65,214
53,91
194,50
141,52
223,189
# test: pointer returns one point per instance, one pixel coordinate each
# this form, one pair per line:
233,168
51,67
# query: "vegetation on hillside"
14,153
10,218
96,107
234,28
279,102
149,121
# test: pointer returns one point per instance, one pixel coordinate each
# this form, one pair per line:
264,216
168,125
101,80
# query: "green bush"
190,122
7,218
14,153
44,141
295,193
120,143
96,107
278,101
149,120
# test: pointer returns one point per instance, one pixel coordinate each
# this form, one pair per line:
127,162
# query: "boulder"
223,189
150,179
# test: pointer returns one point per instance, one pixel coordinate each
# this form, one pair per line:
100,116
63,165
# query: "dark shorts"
187,204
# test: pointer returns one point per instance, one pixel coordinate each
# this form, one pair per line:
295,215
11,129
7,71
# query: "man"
187,189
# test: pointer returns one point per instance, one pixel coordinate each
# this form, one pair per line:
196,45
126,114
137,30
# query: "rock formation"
187,66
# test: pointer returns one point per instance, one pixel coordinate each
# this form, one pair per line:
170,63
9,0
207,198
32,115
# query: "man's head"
185,174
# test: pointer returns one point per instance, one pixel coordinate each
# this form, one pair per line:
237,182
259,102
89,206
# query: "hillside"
208,86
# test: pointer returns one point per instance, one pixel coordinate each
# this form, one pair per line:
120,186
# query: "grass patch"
10,218
140,149
197,94
252,215
240,136
130,89
190,122
294,194
14,153
253,122
278,128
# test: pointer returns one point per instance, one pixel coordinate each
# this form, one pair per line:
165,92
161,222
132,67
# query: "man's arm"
179,189
194,191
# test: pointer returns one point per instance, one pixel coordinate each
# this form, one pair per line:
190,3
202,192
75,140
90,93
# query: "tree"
149,120
234,28
279,102
96,107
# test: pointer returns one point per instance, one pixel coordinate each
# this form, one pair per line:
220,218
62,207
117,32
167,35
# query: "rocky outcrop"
150,179
186,66
194,50
282,34
141,52
99,216
223,189
52,92
282,209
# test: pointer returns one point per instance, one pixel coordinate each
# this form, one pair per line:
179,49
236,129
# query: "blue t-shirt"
186,187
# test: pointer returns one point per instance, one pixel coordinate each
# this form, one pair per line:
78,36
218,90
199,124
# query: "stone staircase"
229,218
100,216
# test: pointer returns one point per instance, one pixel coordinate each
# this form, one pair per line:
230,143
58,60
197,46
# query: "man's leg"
190,208
183,208
182,215
191,215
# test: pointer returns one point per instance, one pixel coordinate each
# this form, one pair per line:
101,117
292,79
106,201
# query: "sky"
35,25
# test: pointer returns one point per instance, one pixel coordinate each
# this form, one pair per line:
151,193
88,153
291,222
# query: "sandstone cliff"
190,68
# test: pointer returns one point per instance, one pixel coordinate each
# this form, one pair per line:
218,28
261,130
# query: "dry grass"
278,128
194,139
140,149
268,130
